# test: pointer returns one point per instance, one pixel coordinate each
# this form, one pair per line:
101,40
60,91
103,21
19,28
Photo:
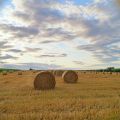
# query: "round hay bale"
70,76
33,71
118,2
11,71
19,73
44,81
4,73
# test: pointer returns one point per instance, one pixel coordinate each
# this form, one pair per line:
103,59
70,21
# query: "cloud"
19,31
42,12
95,27
1,62
47,41
27,66
103,36
59,32
28,49
52,55
103,52
4,46
15,51
79,62
6,57
21,15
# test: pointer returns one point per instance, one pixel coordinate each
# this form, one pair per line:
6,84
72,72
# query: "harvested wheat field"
93,97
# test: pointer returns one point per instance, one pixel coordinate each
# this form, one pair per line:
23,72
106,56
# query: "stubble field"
94,97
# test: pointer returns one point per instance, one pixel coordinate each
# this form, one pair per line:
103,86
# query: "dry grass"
94,97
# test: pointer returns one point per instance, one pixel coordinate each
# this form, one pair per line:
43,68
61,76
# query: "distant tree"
30,69
110,69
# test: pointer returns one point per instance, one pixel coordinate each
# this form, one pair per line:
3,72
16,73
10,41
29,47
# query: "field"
94,97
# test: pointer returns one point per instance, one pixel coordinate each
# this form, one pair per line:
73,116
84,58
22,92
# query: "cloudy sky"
59,34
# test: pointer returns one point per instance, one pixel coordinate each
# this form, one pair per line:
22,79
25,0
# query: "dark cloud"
28,49
43,11
59,32
104,53
15,51
6,57
22,15
1,62
4,45
53,55
19,32
47,41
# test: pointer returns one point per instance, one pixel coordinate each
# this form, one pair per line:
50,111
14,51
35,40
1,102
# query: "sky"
59,34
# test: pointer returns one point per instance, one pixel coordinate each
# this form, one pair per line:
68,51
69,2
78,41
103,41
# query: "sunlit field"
96,96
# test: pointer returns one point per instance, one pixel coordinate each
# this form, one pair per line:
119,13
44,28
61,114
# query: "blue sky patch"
4,3
81,2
